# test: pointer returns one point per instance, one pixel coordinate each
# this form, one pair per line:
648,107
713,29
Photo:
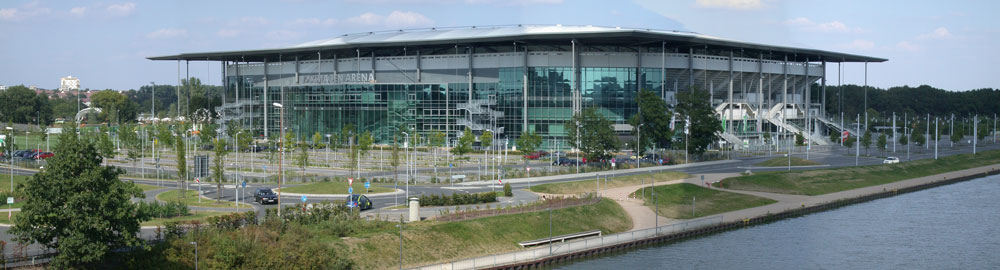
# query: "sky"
945,44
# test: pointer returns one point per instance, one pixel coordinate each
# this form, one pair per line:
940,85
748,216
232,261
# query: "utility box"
414,209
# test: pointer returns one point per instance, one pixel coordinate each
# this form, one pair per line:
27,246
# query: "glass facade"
498,106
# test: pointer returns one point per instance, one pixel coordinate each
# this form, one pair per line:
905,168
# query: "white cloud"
907,46
251,21
122,9
515,2
407,19
78,11
314,22
367,18
394,19
804,24
730,4
939,33
858,44
28,10
227,33
166,33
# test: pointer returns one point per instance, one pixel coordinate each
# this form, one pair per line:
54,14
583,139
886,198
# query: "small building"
69,83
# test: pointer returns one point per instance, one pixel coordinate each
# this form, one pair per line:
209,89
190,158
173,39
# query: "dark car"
565,162
361,201
264,196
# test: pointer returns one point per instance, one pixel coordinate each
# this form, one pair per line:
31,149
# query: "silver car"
890,160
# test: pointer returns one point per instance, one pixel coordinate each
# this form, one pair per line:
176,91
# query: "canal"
949,227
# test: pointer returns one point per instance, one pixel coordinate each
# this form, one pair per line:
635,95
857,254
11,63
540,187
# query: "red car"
44,155
536,155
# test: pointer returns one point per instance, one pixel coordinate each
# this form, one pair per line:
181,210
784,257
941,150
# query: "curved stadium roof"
526,34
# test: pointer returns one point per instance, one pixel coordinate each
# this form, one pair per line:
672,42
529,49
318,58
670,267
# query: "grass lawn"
146,187
5,220
823,181
431,241
5,181
783,161
199,215
333,188
675,201
191,199
583,186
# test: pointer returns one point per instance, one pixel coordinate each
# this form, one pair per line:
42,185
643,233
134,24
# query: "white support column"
524,89
468,56
729,107
784,91
417,59
760,94
663,70
296,69
577,96
808,103
266,104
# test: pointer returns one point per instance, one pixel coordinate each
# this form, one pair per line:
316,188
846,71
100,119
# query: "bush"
506,190
156,209
458,199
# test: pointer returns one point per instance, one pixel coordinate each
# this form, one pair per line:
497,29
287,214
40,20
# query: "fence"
568,247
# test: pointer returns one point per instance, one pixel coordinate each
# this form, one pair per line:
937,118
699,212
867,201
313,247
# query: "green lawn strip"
195,215
674,201
590,185
5,220
431,241
333,188
783,161
5,181
823,181
146,187
191,199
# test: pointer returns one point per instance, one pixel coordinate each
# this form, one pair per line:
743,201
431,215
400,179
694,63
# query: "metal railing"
561,248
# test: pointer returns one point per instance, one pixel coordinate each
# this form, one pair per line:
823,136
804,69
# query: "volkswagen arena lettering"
337,78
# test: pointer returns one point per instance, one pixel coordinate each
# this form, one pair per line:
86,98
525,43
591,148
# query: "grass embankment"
5,181
199,215
431,241
675,201
583,186
333,188
816,182
5,220
783,161
191,199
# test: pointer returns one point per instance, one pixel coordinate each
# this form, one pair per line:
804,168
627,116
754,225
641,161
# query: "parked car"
360,201
265,195
565,162
536,155
44,155
890,160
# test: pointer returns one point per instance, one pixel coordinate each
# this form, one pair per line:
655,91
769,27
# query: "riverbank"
787,206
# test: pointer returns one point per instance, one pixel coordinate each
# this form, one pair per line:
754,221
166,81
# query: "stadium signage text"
337,78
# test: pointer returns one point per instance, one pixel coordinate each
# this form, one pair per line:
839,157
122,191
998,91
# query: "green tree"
705,127
128,134
834,136
394,160
528,142
464,145
19,104
654,116
486,141
78,207
164,135
219,165
302,157
882,142
317,140
849,142
904,139
800,140
866,140
597,139
958,135
437,141
180,149
115,107
918,135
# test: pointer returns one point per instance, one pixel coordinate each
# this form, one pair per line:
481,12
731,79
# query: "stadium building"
509,79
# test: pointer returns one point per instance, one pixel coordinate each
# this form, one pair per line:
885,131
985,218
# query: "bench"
560,238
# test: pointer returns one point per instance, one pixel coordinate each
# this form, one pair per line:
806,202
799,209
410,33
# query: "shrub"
458,199
506,190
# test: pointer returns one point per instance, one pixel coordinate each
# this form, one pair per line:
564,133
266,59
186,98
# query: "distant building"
69,83
3,88
32,87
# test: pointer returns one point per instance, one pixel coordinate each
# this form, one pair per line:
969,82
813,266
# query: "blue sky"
947,44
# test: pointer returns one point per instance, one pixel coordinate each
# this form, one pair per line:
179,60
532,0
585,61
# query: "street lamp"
406,141
638,144
195,255
328,148
153,103
11,158
281,152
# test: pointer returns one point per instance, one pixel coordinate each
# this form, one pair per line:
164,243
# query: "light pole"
281,173
328,149
11,158
406,153
195,255
578,148
152,104
638,144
